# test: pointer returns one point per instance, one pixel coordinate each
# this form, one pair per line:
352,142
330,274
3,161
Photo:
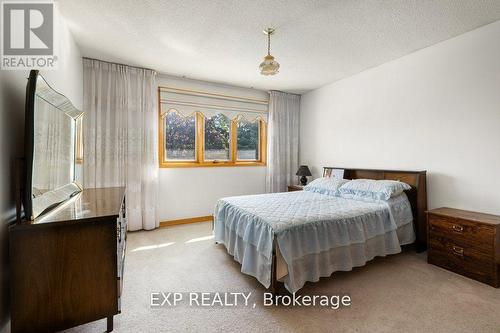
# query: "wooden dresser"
466,243
67,267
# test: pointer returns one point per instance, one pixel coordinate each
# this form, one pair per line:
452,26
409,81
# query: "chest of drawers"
67,268
467,243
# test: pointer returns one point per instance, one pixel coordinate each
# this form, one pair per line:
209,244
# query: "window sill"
209,164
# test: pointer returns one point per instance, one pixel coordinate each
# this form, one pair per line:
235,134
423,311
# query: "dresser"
67,266
466,243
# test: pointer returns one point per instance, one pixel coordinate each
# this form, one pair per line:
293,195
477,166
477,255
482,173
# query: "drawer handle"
459,251
457,228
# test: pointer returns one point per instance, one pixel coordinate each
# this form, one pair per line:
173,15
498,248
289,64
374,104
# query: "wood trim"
234,140
200,138
263,142
164,224
216,164
160,132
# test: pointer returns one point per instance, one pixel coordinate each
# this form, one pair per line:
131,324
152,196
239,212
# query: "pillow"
326,185
372,189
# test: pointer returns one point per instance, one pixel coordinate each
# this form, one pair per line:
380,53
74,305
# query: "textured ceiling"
316,41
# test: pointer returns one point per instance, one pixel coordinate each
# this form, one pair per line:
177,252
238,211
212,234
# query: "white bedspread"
310,226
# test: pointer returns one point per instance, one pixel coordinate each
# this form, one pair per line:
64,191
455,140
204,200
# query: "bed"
287,239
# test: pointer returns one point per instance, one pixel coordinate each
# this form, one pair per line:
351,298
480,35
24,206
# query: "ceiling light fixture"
269,66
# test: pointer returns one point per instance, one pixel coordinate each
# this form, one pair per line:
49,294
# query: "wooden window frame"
200,146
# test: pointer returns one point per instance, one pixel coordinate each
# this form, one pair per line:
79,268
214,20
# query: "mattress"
316,234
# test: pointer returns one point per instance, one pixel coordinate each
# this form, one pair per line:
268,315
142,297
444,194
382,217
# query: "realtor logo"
28,35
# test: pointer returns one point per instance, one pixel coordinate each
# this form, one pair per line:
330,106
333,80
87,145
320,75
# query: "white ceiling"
316,41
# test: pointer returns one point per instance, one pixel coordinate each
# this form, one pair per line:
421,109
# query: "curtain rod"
211,106
284,92
211,95
117,63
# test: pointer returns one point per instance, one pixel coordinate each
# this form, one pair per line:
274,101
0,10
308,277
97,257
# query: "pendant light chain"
268,43
269,66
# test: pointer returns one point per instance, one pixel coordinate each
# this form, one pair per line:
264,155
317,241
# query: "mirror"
55,173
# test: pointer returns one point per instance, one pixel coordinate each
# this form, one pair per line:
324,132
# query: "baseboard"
169,223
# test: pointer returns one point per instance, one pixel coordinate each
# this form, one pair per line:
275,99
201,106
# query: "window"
197,140
217,138
180,137
248,141
206,129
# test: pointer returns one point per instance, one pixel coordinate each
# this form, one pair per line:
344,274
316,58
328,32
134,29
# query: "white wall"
437,109
68,79
192,192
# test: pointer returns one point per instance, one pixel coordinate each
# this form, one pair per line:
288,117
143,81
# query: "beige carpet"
393,294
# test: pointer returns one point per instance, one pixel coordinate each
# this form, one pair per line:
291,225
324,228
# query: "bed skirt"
311,267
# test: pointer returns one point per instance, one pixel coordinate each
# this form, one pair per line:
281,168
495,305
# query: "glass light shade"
269,66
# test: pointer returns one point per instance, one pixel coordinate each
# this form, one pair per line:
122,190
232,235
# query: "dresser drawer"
483,271
458,249
479,236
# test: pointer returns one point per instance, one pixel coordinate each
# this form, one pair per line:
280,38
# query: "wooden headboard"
417,195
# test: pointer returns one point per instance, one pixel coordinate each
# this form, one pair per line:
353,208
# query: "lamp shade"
269,66
303,171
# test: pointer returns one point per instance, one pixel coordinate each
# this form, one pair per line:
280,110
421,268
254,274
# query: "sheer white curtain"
120,136
283,140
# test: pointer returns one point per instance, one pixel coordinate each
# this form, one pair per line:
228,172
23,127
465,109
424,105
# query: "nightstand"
292,188
467,243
